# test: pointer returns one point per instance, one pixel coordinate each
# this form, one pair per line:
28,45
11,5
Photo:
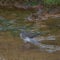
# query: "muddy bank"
18,5
37,17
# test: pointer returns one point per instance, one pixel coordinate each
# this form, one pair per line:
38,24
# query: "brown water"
11,46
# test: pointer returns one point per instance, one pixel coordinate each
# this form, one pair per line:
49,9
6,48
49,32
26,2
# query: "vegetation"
32,2
52,3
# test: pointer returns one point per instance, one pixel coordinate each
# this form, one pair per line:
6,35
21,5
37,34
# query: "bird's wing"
32,35
35,42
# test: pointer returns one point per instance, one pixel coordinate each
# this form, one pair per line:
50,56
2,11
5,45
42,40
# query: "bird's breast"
27,39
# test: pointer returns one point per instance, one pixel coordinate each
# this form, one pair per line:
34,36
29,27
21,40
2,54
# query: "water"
46,47
14,25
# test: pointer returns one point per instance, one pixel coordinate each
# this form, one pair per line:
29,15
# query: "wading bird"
28,37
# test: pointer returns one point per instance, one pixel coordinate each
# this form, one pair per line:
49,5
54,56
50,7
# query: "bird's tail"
45,47
35,42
